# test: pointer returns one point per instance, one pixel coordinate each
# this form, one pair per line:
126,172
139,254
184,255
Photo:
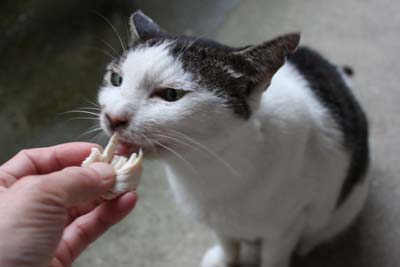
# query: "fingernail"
106,172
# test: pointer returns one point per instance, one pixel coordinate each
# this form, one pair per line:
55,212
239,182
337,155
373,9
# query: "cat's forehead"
148,66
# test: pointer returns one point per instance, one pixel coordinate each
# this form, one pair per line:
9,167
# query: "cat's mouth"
151,147
126,149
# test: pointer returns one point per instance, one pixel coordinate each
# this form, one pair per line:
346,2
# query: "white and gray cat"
265,144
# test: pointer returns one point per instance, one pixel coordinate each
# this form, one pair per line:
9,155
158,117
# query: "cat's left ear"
268,57
143,28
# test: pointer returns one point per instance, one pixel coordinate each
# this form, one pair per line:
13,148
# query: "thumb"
74,185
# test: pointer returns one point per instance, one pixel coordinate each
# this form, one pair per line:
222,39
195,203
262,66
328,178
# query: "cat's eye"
170,94
115,79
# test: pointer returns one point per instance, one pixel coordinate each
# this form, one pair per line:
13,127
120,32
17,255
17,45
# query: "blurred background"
52,59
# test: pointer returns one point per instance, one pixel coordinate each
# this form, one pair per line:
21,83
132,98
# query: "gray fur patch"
328,85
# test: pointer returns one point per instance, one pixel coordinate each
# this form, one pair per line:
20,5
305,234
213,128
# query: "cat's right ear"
143,28
268,57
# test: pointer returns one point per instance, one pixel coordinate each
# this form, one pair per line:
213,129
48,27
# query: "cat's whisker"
128,36
91,130
102,137
81,112
103,51
83,118
211,152
180,141
111,47
97,125
91,102
148,140
89,108
97,137
113,28
179,156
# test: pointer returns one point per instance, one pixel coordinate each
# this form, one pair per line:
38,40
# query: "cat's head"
168,86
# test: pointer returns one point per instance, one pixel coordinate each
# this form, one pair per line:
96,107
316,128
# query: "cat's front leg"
277,249
224,254
274,258
278,252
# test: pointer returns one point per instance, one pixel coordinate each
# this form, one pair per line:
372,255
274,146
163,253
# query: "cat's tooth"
110,148
95,156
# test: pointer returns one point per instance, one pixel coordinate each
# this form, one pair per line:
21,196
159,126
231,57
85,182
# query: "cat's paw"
215,257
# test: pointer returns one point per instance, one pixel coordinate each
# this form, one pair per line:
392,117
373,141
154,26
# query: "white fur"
274,178
151,68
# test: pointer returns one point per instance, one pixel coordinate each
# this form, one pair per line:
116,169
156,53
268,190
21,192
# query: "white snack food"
128,170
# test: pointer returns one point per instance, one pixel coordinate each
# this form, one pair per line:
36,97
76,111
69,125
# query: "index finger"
43,160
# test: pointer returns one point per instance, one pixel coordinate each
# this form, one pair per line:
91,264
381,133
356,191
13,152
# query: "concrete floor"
360,33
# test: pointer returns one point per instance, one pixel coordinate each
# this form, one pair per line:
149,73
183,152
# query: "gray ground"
47,67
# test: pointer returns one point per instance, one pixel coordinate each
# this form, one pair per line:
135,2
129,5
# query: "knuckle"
39,189
23,152
82,234
27,186
45,189
85,175
27,152
33,183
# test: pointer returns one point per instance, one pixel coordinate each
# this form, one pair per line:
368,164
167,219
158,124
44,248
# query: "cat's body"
284,169
283,179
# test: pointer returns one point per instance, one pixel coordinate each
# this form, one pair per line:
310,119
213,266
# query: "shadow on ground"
372,241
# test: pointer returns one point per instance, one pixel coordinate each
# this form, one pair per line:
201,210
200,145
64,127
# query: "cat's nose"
116,122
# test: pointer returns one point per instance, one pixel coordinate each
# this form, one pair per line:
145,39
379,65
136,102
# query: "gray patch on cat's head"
235,74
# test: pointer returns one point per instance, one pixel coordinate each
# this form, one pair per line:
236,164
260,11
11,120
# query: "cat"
264,144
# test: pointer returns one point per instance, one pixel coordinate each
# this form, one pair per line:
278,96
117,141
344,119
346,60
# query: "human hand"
50,212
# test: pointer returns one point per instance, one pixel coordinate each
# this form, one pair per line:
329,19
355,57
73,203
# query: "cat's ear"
143,28
268,57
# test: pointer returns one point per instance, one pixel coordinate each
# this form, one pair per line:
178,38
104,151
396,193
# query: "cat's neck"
228,158
238,139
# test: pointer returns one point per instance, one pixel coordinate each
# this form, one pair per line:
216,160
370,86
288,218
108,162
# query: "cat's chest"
207,200
220,199
213,173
